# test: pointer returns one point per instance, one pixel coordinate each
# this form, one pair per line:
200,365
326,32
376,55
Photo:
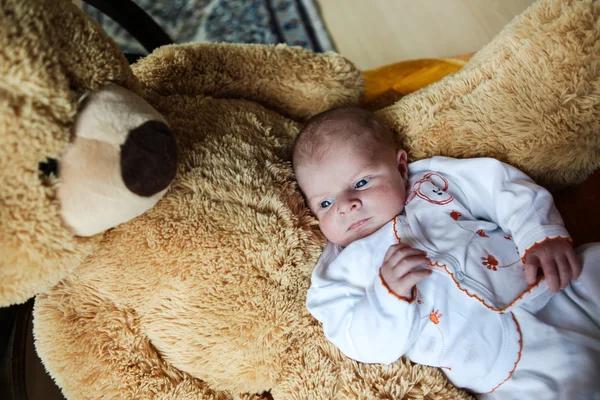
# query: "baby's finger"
551,274
564,271
407,264
415,277
531,269
393,250
397,257
574,263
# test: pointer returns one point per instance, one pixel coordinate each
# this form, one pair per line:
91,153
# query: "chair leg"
14,322
135,21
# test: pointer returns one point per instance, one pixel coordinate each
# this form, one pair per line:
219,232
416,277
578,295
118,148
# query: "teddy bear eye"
48,168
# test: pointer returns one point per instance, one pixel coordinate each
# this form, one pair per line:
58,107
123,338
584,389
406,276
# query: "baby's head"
351,172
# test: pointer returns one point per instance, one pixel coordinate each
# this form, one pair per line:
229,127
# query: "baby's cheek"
391,200
328,229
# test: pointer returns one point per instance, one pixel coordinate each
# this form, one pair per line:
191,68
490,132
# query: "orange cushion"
408,76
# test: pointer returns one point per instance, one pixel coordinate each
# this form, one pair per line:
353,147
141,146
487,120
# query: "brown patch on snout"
149,158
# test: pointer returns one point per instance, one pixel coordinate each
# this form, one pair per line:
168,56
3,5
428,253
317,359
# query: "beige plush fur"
530,98
46,49
40,64
203,295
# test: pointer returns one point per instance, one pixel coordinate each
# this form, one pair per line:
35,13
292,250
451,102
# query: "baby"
452,263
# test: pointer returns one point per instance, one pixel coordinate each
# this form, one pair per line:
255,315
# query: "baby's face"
354,192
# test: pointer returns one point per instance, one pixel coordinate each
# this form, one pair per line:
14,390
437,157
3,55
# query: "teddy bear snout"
149,158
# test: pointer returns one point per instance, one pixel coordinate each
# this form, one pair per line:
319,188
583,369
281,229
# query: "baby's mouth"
358,224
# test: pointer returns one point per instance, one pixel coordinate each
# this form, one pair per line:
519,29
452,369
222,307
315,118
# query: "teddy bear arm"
101,351
294,81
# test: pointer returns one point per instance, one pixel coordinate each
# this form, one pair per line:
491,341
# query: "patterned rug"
295,22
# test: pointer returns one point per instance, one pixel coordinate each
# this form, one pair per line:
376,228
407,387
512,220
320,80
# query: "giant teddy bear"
154,212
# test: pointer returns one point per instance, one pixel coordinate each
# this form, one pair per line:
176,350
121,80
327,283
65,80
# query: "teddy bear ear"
120,163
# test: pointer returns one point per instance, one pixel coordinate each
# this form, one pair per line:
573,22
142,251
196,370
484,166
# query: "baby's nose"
352,204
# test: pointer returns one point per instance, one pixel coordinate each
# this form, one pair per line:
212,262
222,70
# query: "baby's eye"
361,183
325,204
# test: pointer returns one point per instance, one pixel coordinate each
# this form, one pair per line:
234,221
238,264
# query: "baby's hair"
322,131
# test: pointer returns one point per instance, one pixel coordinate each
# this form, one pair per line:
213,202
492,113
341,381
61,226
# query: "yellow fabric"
408,76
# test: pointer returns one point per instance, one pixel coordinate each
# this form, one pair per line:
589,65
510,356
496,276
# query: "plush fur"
530,98
40,66
203,295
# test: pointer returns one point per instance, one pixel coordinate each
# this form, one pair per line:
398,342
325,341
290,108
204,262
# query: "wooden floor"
372,33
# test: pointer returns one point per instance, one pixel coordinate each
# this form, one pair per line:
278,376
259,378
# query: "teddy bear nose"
149,158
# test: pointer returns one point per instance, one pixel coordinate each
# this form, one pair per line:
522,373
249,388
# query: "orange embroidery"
455,215
508,237
443,266
396,231
415,292
542,242
435,316
415,190
520,351
490,262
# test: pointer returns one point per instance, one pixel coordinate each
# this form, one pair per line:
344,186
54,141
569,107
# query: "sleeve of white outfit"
500,193
370,325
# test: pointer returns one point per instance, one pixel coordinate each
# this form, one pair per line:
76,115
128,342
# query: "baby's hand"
397,269
558,261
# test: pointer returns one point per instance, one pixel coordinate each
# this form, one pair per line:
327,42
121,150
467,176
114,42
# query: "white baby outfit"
475,316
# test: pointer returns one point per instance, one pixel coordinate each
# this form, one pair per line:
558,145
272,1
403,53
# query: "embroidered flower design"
490,262
481,233
508,237
455,215
435,316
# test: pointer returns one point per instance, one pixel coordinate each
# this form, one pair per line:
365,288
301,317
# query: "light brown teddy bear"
202,296
114,153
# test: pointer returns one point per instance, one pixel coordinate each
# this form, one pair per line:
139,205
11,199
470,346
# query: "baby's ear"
402,160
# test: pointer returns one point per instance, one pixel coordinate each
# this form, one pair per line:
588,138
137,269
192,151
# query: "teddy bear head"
80,152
